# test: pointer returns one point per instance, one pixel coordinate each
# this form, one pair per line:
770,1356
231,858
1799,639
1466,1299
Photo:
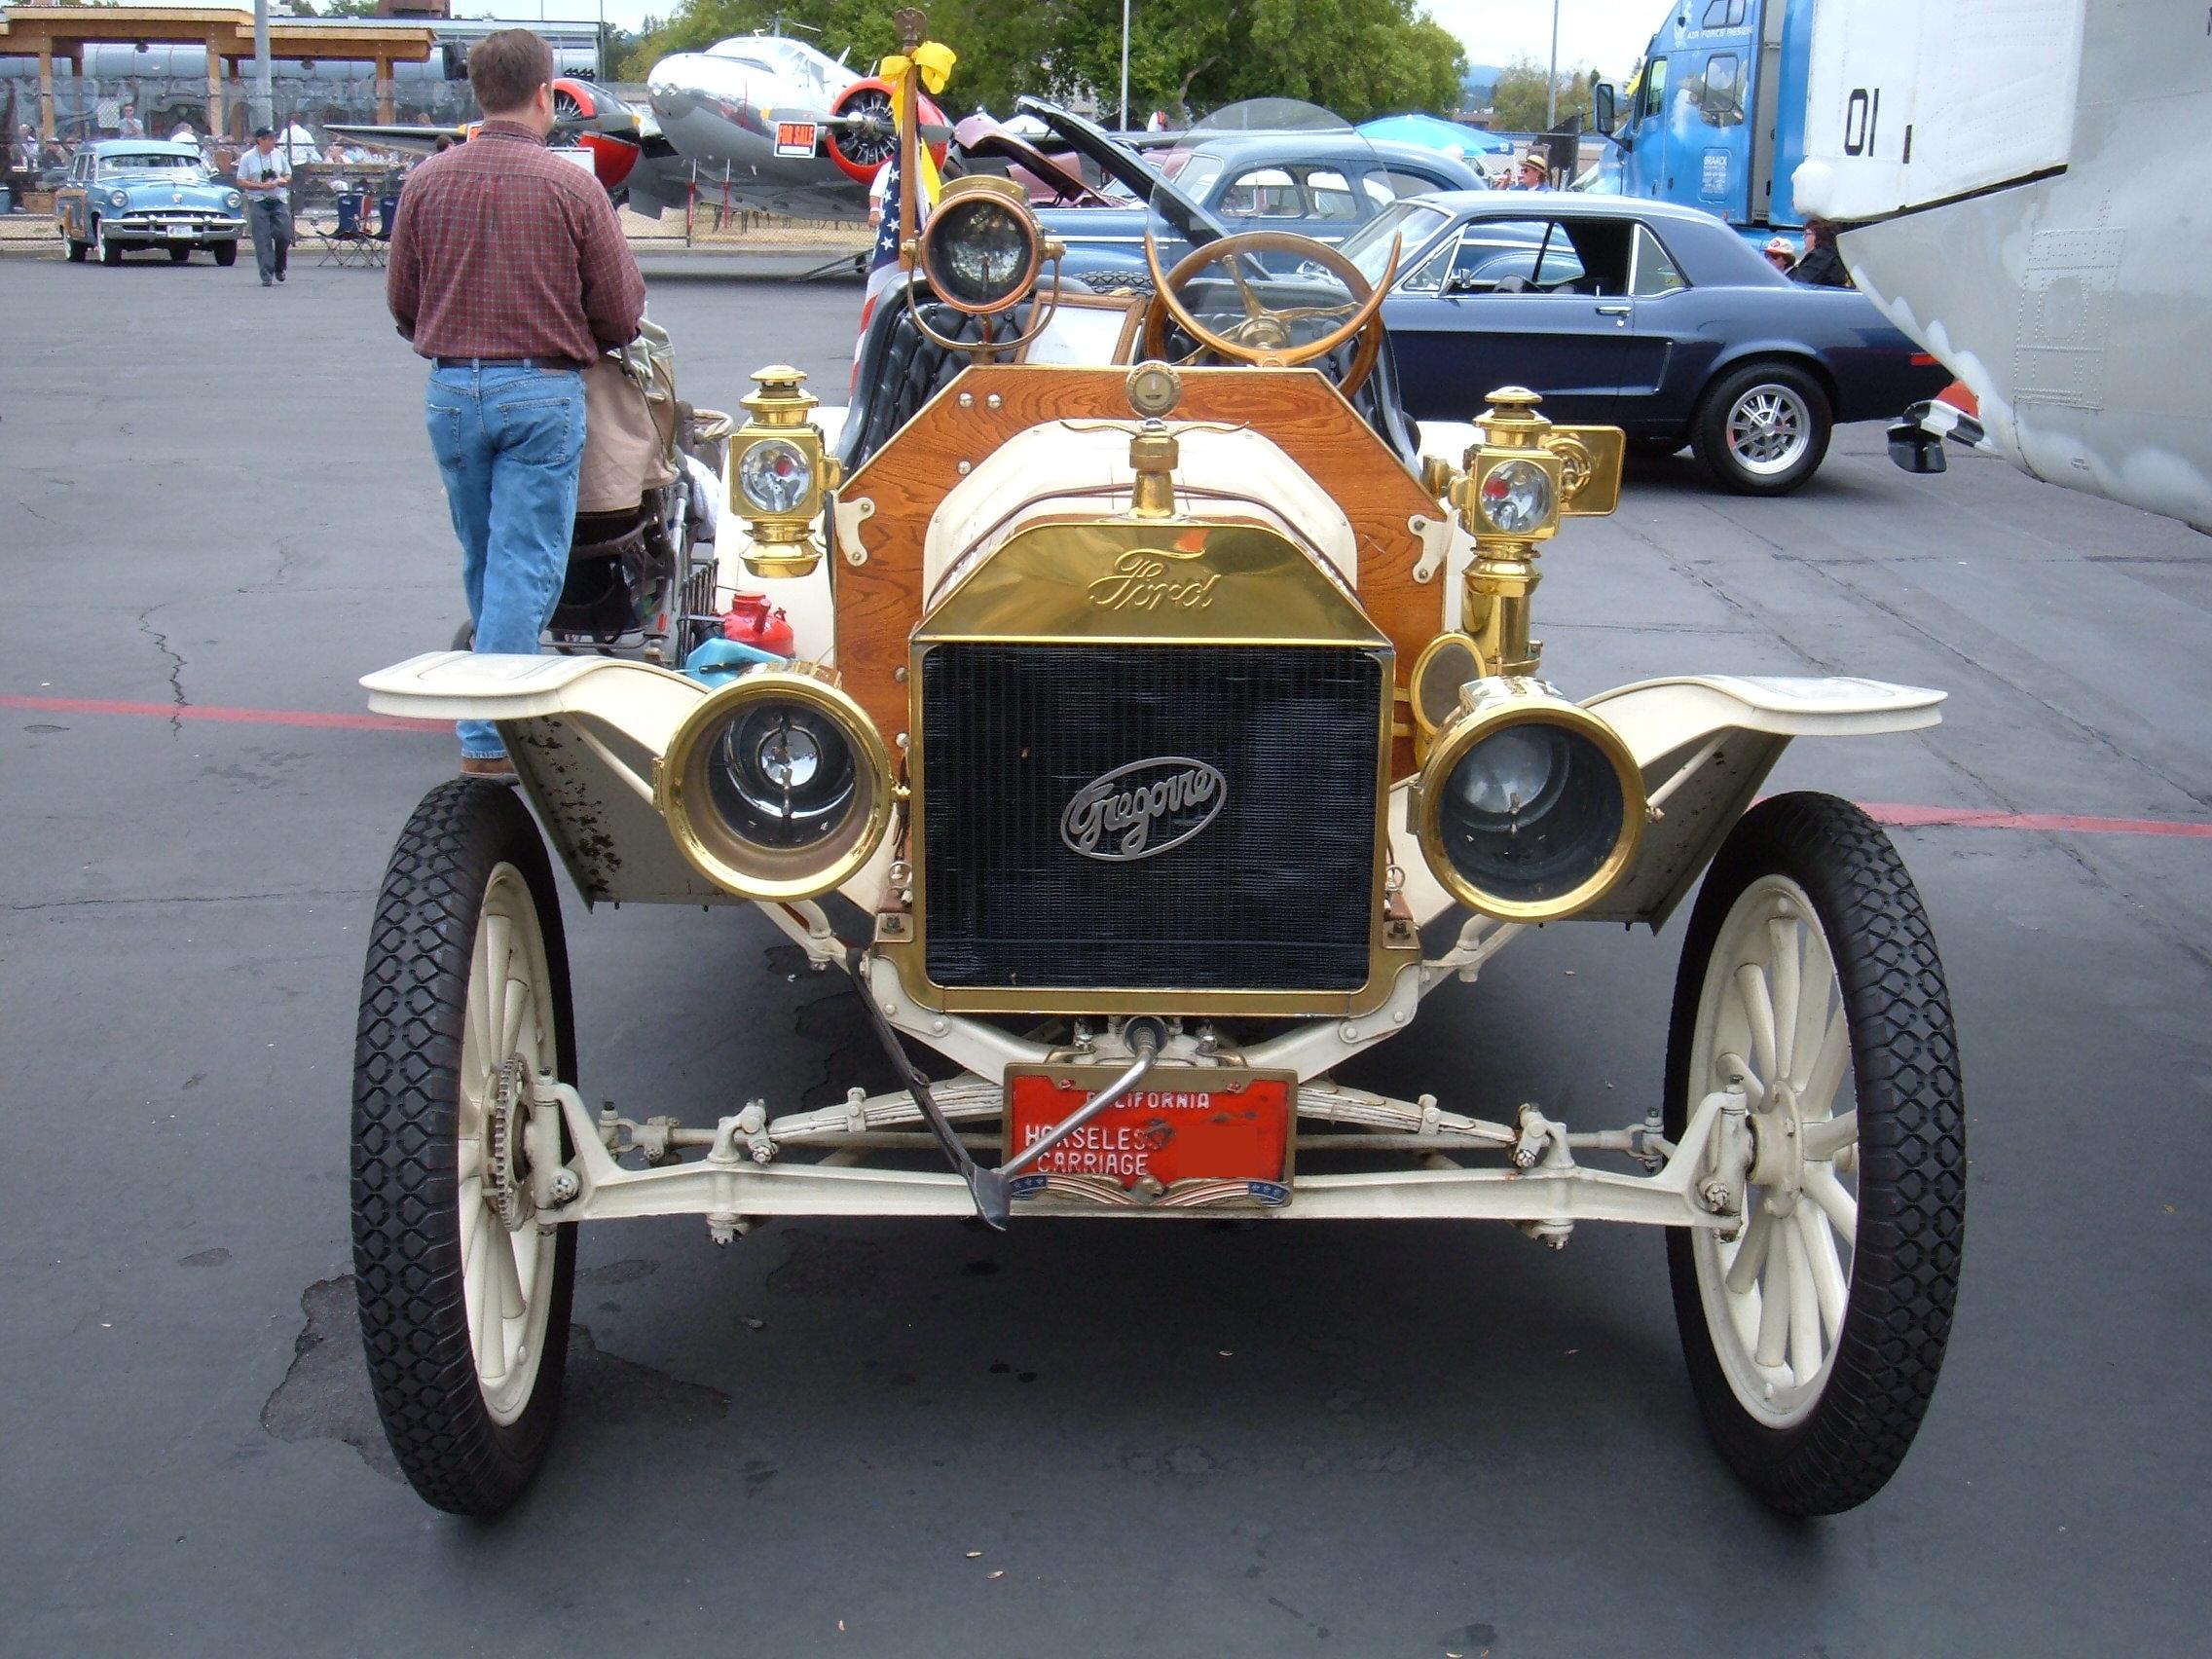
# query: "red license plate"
794,137
1202,1136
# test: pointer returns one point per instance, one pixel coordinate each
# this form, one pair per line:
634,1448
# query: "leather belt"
563,364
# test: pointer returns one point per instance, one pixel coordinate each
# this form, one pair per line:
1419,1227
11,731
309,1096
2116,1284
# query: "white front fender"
1706,744
584,733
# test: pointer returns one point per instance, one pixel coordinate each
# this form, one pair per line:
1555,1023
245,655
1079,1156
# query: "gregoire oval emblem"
1143,808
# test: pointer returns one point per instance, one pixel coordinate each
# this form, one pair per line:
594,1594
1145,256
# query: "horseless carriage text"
1163,727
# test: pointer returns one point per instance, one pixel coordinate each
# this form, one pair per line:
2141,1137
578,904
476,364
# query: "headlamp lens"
774,475
782,775
982,252
1531,812
1515,498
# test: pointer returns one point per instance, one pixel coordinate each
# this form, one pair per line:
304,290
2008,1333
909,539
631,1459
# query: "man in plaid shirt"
510,271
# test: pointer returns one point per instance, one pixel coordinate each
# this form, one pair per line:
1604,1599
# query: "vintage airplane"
2017,184
757,121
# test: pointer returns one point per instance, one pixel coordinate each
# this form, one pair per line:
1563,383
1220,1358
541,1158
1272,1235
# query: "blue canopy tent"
1436,134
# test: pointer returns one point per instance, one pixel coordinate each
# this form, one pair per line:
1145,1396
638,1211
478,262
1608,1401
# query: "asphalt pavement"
1167,1440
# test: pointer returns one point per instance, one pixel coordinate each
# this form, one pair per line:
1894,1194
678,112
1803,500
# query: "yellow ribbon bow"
934,61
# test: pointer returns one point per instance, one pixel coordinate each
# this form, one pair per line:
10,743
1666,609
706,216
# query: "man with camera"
265,175
510,271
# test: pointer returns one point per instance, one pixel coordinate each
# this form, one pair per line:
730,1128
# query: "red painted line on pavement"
213,711
1897,815
2048,823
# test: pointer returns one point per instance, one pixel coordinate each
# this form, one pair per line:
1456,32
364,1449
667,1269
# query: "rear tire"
1815,1336
225,253
76,249
1763,429
466,941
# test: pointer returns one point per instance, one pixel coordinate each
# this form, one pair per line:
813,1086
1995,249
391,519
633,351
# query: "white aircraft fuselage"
2023,184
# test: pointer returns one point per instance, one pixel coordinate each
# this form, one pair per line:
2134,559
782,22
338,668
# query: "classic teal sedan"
147,193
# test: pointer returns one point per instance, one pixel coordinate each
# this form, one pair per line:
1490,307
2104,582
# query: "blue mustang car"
146,192
1635,313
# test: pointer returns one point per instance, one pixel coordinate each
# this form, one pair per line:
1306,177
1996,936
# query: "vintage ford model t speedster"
1163,728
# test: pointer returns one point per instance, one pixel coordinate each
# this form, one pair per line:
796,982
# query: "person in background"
1531,174
1780,254
30,158
266,177
132,127
1819,266
508,271
184,135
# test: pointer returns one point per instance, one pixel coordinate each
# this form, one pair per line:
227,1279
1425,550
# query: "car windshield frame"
138,163
1369,246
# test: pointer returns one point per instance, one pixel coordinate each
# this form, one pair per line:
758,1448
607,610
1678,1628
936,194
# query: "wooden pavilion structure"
49,32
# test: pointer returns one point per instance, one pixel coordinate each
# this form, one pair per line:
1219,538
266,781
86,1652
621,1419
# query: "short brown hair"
507,68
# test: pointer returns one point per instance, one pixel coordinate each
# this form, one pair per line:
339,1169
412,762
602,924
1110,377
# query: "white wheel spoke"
1783,938
491,1341
1759,1010
1839,1206
1831,1135
510,1279
498,968
512,1009
1750,1255
1823,1077
468,1166
1804,1312
1827,1267
1816,991
483,988
1774,1302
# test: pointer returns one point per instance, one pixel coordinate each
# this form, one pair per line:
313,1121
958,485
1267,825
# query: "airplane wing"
2017,190
413,140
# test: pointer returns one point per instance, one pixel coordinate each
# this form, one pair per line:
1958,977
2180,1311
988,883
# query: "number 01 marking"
1861,116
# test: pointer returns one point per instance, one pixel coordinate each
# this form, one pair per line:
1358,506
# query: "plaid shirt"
500,249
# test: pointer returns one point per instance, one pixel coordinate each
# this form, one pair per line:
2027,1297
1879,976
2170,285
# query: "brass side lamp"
779,472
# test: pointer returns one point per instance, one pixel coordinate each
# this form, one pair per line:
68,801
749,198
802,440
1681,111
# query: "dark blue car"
1655,318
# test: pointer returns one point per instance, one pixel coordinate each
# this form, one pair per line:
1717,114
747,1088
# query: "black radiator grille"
1275,892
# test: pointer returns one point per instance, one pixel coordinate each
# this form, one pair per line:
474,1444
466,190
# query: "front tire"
111,251
1814,1338
464,1295
1763,429
225,253
76,249
179,255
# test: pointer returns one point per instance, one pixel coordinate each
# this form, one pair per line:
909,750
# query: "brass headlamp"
779,471
1518,483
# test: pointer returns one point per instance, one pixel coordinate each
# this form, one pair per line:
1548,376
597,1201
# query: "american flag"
883,259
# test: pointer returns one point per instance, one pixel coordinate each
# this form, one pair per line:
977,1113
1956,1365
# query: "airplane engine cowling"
578,106
860,156
602,124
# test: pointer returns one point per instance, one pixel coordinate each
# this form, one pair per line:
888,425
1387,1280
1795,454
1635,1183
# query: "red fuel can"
752,622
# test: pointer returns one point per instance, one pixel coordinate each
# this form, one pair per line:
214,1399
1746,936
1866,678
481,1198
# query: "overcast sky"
1607,33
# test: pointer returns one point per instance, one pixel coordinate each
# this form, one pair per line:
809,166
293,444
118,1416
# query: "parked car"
125,193
1164,739
1640,315
1323,185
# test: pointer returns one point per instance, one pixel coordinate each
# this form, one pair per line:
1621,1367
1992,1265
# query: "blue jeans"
510,442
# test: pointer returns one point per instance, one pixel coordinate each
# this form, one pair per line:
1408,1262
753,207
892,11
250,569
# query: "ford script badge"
1143,808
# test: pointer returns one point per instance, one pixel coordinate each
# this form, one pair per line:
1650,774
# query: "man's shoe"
492,768
280,276
268,281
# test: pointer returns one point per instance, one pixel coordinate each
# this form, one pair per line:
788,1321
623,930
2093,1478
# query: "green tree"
1359,58
1517,102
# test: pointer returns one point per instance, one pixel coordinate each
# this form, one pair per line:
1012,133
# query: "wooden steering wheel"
1263,337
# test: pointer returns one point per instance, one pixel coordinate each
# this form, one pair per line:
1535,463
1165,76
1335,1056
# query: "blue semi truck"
1716,117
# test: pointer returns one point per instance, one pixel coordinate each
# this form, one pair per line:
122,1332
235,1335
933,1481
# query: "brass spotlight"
980,249
1530,807
777,786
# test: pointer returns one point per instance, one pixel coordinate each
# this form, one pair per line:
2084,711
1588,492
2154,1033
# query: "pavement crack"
33,511
188,898
175,662
285,560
